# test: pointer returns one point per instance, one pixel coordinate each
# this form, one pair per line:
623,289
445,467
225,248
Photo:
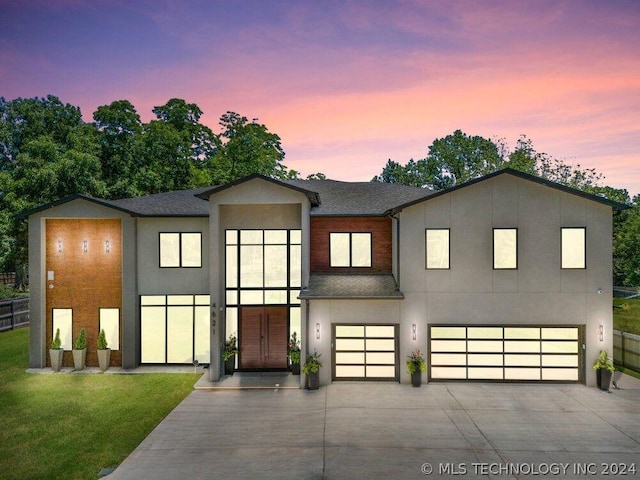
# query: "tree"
626,245
451,160
119,130
244,148
185,118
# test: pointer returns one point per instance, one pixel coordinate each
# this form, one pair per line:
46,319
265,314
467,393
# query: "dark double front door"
263,338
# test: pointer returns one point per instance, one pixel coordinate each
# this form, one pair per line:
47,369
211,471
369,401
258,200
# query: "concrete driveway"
392,431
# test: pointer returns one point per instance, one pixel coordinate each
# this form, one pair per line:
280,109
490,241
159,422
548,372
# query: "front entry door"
263,337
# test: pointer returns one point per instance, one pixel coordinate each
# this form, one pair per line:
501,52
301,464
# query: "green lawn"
626,318
72,426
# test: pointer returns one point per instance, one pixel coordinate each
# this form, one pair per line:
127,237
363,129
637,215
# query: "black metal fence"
14,313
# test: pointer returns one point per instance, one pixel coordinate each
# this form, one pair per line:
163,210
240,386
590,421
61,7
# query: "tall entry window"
262,267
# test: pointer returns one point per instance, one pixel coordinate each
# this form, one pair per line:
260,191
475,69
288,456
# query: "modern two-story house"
506,278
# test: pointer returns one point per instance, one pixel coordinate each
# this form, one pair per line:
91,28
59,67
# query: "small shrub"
102,340
56,343
81,341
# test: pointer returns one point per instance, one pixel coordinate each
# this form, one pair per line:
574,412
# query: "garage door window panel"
526,353
365,352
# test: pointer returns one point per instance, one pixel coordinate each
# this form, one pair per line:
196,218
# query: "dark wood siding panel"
380,228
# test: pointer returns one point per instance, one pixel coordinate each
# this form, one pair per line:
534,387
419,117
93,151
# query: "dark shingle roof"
181,203
352,287
359,198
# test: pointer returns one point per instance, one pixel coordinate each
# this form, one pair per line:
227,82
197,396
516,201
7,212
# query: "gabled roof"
311,195
70,198
359,198
181,203
519,174
341,286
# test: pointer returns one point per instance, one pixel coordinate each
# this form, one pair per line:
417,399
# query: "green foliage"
99,419
81,341
626,245
47,153
416,362
626,315
312,364
293,348
102,341
230,347
56,343
244,148
604,361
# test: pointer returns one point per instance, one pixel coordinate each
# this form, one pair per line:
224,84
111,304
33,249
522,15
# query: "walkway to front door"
263,338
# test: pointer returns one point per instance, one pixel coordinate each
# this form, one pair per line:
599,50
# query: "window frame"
584,249
180,250
494,247
426,247
350,243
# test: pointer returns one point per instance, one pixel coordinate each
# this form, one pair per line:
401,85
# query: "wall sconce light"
59,246
413,331
107,246
601,332
318,331
599,291
85,246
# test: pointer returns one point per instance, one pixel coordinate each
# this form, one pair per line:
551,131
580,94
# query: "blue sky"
348,85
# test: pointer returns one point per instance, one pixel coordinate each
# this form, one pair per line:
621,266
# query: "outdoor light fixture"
59,246
107,246
413,330
601,332
85,246
318,331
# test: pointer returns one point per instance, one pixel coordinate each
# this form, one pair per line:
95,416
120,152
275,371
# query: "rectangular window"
181,250
574,248
110,323
437,248
350,249
63,320
174,328
505,248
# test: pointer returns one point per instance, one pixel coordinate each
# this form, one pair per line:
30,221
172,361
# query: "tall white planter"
79,359
104,357
55,354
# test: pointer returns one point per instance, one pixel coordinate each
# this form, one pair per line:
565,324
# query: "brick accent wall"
380,227
84,282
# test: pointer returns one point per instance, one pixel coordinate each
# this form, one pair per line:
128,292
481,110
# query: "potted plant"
415,366
311,369
293,352
604,370
80,351
56,352
229,354
104,352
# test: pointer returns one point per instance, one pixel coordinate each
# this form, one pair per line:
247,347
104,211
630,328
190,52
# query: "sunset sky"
350,84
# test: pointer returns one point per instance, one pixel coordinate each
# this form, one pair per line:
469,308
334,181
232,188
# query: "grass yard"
626,318
71,426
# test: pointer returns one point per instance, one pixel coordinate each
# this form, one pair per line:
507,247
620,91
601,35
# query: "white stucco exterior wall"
538,292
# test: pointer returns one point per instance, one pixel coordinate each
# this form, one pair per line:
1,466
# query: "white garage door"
365,352
505,353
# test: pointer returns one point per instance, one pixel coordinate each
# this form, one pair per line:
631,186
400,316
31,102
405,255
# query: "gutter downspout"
397,219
